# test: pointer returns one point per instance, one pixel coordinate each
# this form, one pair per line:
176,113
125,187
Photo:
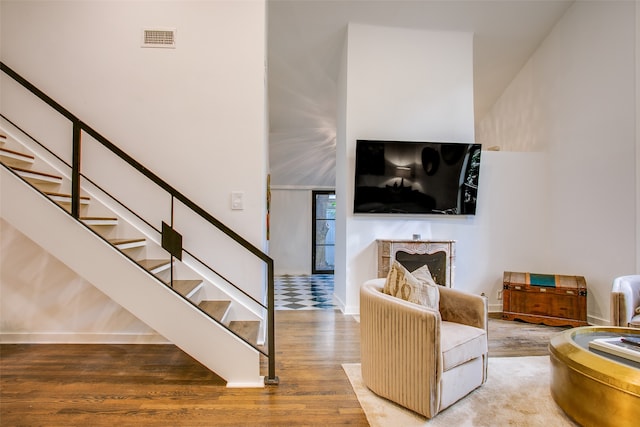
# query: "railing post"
271,379
75,170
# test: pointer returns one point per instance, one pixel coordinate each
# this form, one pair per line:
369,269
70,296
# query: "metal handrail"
79,126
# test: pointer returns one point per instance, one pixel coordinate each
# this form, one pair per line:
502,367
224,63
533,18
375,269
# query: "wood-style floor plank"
159,385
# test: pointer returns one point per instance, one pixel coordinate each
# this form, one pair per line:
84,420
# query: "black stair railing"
167,234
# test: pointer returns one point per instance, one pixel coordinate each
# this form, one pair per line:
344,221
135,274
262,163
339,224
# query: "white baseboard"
79,338
257,384
346,310
598,321
495,308
339,303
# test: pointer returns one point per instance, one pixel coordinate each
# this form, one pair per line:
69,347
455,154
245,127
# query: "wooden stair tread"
215,309
184,287
247,329
153,264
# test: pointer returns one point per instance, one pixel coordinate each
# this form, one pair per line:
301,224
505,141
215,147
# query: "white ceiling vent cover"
159,37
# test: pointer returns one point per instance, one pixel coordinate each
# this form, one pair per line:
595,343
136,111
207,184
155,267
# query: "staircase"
201,312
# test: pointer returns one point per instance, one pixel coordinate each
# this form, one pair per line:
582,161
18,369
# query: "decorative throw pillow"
638,310
430,286
402,284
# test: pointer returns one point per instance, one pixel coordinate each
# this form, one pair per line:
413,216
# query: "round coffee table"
592,387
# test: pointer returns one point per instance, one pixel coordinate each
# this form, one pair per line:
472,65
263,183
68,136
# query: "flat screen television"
408,177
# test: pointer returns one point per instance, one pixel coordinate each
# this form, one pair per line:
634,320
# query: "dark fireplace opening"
437,263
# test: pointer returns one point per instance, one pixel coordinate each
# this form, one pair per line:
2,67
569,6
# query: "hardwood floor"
107,385
146,385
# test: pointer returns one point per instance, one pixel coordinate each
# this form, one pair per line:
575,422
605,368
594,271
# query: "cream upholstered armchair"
625,301
421,358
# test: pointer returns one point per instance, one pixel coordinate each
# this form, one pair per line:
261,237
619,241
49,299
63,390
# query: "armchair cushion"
460,343
418,289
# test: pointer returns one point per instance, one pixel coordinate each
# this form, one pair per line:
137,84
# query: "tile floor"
304,292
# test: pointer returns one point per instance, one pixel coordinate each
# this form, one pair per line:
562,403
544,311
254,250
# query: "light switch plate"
237,200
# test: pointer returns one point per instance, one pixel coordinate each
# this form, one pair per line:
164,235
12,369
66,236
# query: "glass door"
324,231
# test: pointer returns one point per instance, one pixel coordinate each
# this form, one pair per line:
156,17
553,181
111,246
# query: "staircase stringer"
242,308
127,284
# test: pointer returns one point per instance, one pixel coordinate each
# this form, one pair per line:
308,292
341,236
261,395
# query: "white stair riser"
131,245
100,222
17,157
39,178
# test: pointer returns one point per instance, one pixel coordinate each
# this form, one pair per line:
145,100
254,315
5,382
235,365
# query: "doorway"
323,232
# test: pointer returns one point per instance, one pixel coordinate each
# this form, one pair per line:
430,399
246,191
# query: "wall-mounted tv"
408,177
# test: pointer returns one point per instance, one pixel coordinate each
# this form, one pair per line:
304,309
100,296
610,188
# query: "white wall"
573,100
290,244
194,115
400,85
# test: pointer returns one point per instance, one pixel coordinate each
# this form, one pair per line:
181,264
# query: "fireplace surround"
439,255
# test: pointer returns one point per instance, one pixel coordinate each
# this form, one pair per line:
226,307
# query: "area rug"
516,394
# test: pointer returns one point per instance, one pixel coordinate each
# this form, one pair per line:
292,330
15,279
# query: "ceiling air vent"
155,37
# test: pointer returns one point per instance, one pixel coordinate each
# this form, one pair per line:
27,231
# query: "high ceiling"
306,37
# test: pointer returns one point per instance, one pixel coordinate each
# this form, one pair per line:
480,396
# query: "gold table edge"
599,368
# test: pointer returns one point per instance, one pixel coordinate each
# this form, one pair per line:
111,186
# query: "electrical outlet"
500,294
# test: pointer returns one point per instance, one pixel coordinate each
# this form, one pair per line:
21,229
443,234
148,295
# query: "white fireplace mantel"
388,250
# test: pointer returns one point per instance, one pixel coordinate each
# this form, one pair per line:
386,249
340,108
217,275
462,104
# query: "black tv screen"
407,177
